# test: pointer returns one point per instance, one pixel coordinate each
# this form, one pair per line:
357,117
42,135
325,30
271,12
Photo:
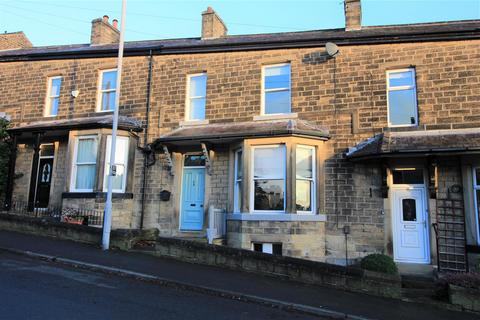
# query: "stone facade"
347,96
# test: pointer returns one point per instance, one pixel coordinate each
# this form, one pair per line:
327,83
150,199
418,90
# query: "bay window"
305,179
237,192
84,164
269,175
121,160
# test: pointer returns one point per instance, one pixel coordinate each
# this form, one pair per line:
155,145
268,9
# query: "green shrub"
379,263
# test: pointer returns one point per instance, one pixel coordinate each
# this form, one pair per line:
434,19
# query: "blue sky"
51,22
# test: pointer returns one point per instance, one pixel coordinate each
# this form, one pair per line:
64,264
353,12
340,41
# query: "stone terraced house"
304,152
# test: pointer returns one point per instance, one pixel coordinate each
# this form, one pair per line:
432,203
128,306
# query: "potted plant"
464,290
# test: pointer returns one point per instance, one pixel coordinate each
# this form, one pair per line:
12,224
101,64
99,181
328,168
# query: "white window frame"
475,202
100,91
75,164
400,88
47,112
252,179
237,182
264,91
188,98
313,180
108,148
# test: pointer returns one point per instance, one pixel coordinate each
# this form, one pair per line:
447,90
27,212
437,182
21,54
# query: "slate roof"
106,121
454,30
228,132
390,144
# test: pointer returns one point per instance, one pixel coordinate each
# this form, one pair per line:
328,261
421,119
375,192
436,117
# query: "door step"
422,287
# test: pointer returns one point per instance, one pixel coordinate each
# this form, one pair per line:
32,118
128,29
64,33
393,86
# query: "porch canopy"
417,143
61,127
225,133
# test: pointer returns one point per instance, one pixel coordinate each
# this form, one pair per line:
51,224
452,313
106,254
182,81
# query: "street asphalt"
34,289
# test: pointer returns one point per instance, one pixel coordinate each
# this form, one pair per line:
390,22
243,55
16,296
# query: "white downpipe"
107,219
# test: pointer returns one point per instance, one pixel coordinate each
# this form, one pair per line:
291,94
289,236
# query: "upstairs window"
107,90
84,164
402,98
196,97
276,89
121,160
53,96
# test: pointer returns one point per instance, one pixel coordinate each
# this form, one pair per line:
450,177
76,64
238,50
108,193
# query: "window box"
107,90
53,97
196,97
276,89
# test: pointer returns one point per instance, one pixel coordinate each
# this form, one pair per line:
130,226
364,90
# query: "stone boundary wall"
305,271
123,239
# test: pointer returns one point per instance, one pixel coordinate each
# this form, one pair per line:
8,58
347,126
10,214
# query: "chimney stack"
353,15
14,40
103,32
212,25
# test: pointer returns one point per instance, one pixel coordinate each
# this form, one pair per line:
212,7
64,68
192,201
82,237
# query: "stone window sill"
192,123
276,217
90,195
275,116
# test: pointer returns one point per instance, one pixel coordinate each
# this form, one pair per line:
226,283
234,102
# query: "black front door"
44,181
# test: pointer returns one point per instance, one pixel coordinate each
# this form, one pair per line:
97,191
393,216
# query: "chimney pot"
353,15
115,23
103,32
212,25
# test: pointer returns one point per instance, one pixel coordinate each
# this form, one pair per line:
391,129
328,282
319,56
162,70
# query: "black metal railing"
81,216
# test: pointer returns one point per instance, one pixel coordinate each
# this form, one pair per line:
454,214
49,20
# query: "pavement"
35,289
315,300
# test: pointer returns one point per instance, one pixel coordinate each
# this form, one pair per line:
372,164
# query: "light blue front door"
193,190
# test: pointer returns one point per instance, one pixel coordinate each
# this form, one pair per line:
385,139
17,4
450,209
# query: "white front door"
410,225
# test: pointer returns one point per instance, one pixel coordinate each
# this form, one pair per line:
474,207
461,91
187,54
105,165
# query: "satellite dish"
332,49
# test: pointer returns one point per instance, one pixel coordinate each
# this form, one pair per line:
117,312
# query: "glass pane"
304,195
85,176
198,86
478,206
47,150
304,163
477,176
87,150
194,161
117,180
53,106
120,150
238,196
239,168
402,107
55,90
277,102
404,78
269,162
109,80
108,100
414,176
269,195
277,77
409,210
197,109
